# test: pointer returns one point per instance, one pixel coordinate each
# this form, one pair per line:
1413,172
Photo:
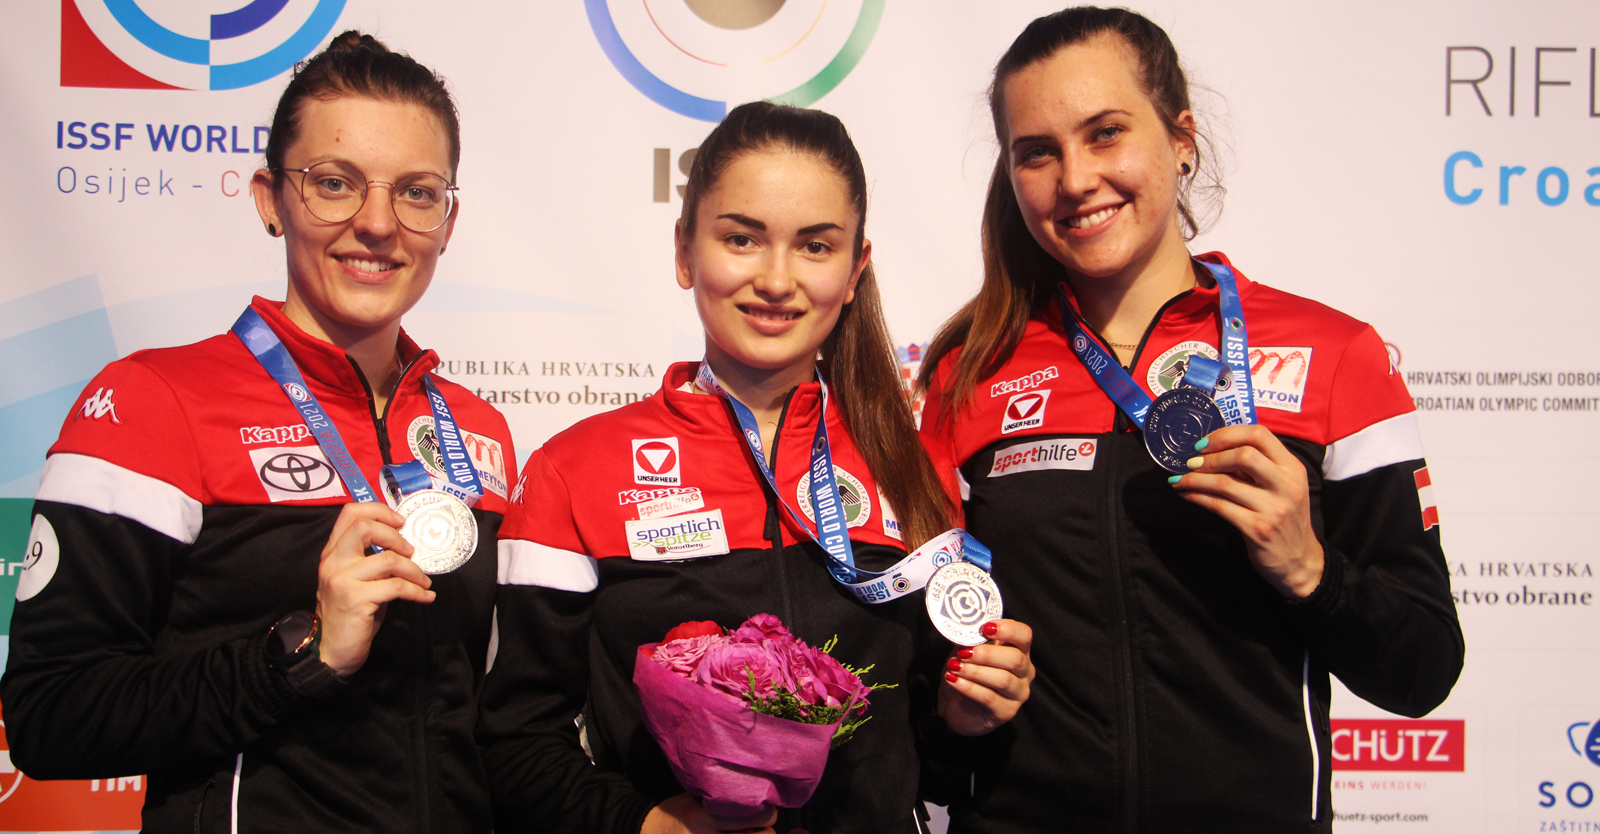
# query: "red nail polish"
953,665
951,677
964,654
989,629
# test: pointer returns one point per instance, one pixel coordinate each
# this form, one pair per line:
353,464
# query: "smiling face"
771,263
1096,172
357,277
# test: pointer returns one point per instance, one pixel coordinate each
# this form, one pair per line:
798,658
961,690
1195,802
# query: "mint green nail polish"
1174,479
1204,442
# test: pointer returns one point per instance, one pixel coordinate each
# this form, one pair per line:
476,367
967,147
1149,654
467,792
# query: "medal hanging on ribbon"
921,568
439,523
1211,395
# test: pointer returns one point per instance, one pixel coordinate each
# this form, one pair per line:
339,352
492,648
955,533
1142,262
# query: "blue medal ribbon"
403,478
1232,393
907,575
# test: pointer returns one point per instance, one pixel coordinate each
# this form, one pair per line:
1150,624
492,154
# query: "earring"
441,250
1184,168
272,230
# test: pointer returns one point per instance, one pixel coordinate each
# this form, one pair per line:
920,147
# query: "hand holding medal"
1247,476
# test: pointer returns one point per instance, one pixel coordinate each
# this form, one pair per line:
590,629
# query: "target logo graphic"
216,45
655,461
693,57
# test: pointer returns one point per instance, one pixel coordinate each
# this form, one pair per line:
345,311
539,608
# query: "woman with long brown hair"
660,512
1201,492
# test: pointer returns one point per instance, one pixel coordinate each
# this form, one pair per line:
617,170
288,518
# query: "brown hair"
1018,274
858,359
355,64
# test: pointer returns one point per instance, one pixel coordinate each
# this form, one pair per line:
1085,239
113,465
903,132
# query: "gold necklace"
1124,347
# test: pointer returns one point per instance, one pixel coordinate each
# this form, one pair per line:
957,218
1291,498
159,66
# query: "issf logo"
190,44
694,57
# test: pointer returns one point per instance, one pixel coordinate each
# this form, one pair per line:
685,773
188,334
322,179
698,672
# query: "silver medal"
961,597
440,528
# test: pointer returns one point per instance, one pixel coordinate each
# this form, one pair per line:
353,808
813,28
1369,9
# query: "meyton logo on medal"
655,461
1024,411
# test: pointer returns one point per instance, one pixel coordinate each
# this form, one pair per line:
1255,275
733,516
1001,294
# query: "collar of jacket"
328,365
1196,304
698,412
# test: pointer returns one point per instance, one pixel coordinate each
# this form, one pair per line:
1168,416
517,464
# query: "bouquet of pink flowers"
747,717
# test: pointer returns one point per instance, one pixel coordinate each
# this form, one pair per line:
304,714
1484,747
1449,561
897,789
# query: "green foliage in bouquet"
786,705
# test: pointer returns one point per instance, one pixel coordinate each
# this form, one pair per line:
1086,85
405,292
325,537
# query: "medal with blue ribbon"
439,523
1211,395
912,573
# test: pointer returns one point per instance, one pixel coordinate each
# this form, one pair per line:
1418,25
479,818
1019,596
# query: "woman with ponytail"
1197,560
772,244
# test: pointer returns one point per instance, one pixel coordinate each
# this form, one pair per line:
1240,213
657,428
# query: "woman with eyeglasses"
262,566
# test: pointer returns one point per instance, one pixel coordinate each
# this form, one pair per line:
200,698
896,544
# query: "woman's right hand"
353,589
682,814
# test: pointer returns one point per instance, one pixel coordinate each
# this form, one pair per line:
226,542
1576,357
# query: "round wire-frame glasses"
335,192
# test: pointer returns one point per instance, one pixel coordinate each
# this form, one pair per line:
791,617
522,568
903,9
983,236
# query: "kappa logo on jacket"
296,473
655,461
1024,383
281,435
1024,411
98,405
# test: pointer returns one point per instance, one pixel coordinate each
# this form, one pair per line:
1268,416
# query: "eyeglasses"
335,192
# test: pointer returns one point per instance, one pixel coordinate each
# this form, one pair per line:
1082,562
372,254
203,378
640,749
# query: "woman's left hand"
1247,476
985,685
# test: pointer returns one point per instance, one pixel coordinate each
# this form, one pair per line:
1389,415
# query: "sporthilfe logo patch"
1061,453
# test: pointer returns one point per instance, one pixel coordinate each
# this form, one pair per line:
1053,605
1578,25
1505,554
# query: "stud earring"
272,230
1184,168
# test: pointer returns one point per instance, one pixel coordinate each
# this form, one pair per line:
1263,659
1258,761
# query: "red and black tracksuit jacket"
1176,690
576,604
181,513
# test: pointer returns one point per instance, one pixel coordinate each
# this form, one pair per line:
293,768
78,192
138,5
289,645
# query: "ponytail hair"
858,359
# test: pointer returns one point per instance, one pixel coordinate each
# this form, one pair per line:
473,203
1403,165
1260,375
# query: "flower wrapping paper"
734,759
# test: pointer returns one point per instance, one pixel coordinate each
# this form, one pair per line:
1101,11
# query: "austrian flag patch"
1430,505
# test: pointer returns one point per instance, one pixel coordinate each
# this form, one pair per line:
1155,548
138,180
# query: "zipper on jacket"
200,807
380,421
1119,585
774,519
424,643
1128,741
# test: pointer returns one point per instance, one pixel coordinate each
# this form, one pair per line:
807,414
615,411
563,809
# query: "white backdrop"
557,297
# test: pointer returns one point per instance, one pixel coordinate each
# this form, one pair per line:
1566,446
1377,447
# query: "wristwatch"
292,648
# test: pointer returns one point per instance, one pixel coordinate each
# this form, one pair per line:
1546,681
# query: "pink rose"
759,628
683,656
731,666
